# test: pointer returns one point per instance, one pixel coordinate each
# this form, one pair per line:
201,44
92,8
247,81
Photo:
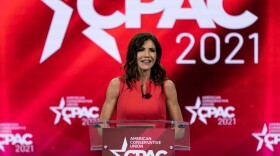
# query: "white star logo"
124,147
260,138
60,23
192,109
57,111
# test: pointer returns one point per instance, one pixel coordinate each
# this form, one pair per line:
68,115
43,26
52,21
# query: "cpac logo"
6,139
137,152
72,112
204,112
268,138
207,14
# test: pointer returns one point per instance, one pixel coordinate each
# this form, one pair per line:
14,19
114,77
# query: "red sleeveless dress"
132,106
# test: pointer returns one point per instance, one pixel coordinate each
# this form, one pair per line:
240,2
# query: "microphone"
146,96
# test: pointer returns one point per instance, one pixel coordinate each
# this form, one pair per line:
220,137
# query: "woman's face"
146,56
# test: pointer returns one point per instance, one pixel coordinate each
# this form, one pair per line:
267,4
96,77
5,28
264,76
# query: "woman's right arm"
112,95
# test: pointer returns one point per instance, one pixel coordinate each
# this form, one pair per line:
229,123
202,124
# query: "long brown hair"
158,74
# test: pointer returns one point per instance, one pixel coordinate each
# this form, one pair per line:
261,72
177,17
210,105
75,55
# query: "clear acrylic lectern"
146,137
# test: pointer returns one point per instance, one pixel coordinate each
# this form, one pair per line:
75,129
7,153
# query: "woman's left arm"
172,102
174,108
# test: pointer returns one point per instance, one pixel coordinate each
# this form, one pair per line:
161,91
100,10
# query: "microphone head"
147,96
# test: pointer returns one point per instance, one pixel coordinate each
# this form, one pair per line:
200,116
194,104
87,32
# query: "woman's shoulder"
168,84
115,82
